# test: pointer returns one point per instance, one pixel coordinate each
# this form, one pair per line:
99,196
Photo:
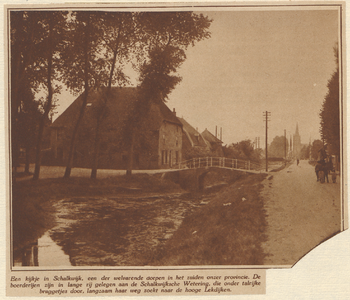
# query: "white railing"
220,162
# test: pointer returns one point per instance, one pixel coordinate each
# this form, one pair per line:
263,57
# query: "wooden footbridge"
221,162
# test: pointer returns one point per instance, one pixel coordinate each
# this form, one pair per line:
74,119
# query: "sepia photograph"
178,136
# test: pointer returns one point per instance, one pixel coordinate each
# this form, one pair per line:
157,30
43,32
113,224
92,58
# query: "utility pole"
285,145
266,114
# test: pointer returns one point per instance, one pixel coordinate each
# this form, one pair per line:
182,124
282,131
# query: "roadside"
301,213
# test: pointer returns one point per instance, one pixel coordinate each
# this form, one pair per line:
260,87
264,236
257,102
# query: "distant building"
296,143
215,143
193,143
159,143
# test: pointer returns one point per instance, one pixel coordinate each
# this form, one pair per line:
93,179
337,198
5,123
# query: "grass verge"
227,231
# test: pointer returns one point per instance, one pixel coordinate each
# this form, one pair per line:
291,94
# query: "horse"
322,169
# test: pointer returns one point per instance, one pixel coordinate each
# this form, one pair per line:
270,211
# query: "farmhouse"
159,141
215,143
193,143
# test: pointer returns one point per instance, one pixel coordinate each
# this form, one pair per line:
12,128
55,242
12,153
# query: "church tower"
296,143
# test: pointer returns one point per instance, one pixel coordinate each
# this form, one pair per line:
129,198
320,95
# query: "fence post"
248,164
211,161
199,162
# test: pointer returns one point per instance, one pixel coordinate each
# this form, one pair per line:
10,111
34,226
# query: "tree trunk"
38,149
26,168
47,107
74,137
85,98
96,148
100,118
131,155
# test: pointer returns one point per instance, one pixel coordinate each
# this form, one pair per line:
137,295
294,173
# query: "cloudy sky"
273,60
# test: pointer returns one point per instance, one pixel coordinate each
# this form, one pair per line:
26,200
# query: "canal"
109,231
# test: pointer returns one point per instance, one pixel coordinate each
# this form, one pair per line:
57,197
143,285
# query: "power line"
266,114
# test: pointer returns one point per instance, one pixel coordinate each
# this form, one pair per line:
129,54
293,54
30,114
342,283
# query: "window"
164,157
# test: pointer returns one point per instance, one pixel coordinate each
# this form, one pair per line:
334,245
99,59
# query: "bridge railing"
221,162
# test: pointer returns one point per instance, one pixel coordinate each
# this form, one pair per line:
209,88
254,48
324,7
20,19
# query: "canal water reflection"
111,231
44,252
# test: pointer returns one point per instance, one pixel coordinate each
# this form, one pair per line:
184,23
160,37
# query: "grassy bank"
227,231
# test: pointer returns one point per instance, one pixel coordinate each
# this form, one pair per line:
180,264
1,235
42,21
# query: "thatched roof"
210,137
194,137
119,105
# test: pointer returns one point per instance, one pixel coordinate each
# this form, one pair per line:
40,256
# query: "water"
111,231
44,252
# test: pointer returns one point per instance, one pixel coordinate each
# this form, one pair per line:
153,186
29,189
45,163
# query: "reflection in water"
28,256
108,230
44,252
112,231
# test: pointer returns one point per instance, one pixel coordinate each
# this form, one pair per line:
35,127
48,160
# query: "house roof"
194,137
210,137
122,101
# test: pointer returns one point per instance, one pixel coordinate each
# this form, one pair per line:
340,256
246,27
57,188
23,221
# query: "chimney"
174,112
216,131
220,133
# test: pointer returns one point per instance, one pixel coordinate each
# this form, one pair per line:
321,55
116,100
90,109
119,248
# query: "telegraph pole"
285,145
266,114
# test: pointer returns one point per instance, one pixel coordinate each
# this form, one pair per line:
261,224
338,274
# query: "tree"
35,38
165,37
316,146
26,36
278,146
118,39
305,152
157,82
54,25
28,119
242,150
82,65
330,120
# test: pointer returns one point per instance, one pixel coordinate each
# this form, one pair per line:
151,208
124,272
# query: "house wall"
170,145
167,141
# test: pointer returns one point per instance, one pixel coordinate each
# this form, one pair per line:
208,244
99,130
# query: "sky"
255,61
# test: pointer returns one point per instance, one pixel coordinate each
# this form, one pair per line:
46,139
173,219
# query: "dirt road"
301,213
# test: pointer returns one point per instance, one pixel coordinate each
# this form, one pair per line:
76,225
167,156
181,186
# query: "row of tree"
86,50
330,112
243,150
